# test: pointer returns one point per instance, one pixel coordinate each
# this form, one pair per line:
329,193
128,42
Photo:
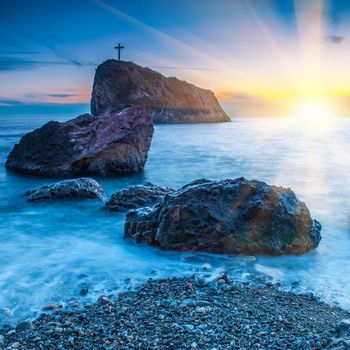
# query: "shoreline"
189,313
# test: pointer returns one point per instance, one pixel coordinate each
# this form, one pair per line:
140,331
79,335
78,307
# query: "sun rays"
258,55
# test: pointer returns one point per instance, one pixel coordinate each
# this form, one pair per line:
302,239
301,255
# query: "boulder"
119,84
83,188
228,216
137,196
110,144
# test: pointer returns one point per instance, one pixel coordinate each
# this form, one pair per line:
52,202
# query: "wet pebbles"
188,313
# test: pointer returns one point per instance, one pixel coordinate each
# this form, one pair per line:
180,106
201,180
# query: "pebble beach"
189,313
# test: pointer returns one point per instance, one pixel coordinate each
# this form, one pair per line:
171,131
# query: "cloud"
335,39
237,96
55,97
45,43
15,63
32,96
61,95
22,53
18,59
9,102
18,108
180,68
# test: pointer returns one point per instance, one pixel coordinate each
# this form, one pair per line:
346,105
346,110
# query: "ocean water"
49,251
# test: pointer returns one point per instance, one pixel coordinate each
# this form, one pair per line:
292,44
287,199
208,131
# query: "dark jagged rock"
121,84
68,189
229,216
137,196
109,144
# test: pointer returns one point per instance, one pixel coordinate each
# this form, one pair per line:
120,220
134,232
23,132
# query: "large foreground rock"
229,216
82,188
109,144
121,84
137,196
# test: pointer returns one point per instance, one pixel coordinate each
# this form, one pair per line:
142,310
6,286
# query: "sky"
260,57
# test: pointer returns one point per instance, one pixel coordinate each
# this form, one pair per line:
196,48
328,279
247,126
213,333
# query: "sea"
49,251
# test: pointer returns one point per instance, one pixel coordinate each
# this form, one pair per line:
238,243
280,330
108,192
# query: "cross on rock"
119,47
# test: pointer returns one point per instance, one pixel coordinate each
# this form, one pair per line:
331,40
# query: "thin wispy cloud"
181,68
22,52
54,97
16,63
50,46
62,95
335,39
9,102
13,60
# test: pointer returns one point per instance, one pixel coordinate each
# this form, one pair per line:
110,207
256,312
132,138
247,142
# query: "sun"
314,110
314,114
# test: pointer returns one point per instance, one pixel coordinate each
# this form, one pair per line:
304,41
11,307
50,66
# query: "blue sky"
247,51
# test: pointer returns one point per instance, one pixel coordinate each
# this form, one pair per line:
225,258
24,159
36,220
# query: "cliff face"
121,84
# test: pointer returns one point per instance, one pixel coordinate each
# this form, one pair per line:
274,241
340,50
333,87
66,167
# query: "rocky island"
120,84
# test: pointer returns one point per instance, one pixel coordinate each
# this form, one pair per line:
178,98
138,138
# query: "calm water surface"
48,251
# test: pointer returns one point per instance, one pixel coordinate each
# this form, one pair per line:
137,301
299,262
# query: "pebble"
24,326
103,300
344,326
50,308
200,282
84,291
189,327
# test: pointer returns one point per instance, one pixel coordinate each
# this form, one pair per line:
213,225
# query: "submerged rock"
68,189
228,216
137,196
109,144
121,84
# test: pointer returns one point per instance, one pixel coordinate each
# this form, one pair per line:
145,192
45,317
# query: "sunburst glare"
314,113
